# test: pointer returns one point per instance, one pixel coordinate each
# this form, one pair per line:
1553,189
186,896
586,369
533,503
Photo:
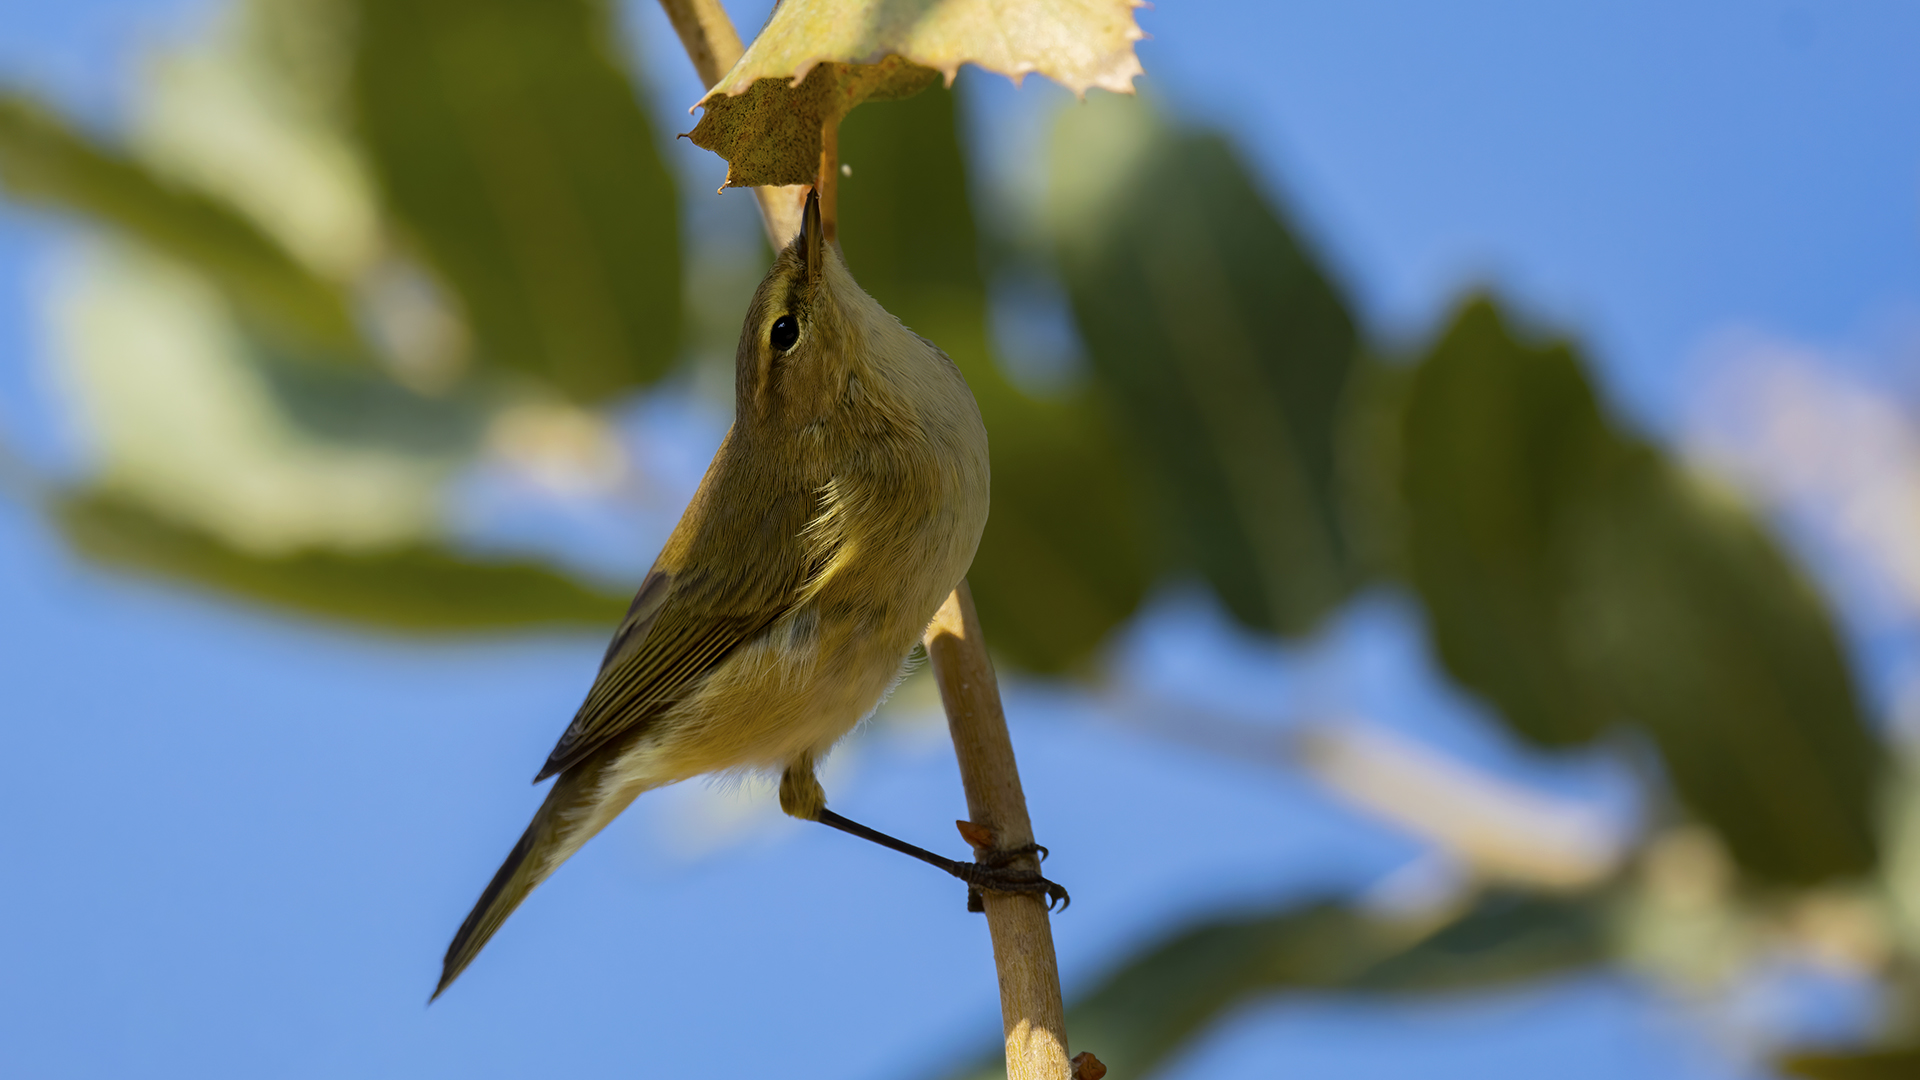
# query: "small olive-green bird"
843,506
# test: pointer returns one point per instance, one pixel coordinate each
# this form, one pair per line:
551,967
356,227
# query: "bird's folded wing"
665,644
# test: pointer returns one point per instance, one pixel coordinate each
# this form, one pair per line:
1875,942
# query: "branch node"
1087,1067
978,837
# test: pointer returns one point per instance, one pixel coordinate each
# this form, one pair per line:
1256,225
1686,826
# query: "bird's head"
812,336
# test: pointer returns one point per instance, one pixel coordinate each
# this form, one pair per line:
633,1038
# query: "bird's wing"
666,642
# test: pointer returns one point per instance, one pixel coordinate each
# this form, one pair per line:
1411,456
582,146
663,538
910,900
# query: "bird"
844,504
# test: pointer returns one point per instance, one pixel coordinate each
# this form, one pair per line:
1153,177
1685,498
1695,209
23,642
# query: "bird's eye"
785,332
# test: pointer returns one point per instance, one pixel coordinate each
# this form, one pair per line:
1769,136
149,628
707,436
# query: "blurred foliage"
1497,439
411,589
1572,574
1067,554
513,150
524,170
1575,578
1695,625
1900,1064
364,408
1369,499
1141,1014
1224,346
45,160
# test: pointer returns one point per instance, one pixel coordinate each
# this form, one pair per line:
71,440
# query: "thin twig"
1030,1007
708,36
714,47
827,182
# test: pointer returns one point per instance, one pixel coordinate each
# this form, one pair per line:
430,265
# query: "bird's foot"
995,872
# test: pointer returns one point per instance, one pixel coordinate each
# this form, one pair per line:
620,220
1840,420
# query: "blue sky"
237,845
1639,173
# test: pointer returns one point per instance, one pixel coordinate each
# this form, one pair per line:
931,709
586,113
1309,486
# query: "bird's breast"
897,519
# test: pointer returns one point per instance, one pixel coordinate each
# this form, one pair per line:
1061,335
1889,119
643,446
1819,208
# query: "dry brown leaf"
770,135
817,59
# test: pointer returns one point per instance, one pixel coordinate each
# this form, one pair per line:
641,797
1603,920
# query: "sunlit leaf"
1224,346
1900,1064
1065,557
44,161
1164,997
817,59
512,145
415,589
190,413
1500,439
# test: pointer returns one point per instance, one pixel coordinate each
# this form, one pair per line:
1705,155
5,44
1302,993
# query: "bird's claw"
995,873
998,858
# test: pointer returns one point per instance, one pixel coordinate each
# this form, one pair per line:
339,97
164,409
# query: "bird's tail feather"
565,821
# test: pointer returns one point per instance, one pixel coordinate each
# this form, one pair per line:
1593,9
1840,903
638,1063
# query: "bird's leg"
801,796
993,873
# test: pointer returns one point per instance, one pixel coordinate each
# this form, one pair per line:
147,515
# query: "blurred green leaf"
1373,513
45,161
414,589
361,408
1499,438
1506,938
1066,556
1902,1064
1164,997
512,145
1574,577
1224,346
1697,626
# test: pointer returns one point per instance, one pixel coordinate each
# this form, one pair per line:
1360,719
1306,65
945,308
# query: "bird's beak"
812,235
